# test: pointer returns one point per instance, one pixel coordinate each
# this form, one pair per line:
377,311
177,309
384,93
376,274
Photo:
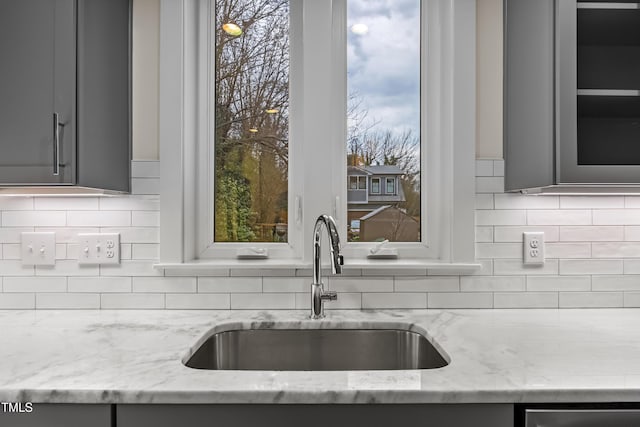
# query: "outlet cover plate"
98,248
38,248
533,248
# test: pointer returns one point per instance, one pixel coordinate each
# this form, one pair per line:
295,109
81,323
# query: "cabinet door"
529,122
37,80
56,415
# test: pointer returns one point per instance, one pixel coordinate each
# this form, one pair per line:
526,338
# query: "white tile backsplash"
592,258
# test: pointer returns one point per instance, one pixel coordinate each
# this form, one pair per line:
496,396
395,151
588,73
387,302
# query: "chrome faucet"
318,294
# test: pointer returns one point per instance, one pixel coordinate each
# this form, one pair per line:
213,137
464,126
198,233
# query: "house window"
383,115
357,182
391,186
353,183
259,149
375,185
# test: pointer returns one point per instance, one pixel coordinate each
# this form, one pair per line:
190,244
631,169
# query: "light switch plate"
38,248
99,248
533,248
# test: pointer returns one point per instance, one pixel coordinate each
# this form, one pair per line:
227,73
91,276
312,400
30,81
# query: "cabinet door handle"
56,143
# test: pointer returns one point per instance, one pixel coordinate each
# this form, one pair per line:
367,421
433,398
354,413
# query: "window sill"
388,266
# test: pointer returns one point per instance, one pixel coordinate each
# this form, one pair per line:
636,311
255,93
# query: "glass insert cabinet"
572,95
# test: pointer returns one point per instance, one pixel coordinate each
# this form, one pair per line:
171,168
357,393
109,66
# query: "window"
391,186
375,185
296,126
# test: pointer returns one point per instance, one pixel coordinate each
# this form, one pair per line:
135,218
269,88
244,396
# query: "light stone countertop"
496,356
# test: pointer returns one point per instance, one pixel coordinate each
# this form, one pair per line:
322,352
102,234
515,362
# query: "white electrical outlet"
38,248
533,249
96,248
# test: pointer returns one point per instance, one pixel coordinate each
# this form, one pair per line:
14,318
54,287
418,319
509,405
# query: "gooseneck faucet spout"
318,294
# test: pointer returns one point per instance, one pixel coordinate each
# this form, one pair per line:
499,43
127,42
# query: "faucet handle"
340,260
329,295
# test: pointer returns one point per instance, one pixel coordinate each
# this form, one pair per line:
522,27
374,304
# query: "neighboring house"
391,223
372,187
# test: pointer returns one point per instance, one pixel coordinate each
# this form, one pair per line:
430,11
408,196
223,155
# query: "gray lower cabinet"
65,93
58,415
462,415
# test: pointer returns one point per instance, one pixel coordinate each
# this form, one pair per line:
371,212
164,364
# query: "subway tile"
130,203
277,272
35,284
592,233
591,202
13,235
514,267
616,217
73,250
67,301
525,300
499,250
145,185
558,283
270,301
11,251
18,203
568,250
198,301
493,284
484,234
591,299
520,201
345,301
484,167
632,299
135,234
164,284
486,184
460,300
632,202
515,234
145,168
616,250
559,217
34,218
99,284
17,301
615,283
498,168
484,201
503,217
61,251
369,284
132,301
126,252
230,284
15,268
99,218
66,203
427,284
394,300
591,266
67,267
631,233
130,268
631,266
145,251
286,284
145,218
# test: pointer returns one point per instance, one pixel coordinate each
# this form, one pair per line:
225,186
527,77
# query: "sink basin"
316,350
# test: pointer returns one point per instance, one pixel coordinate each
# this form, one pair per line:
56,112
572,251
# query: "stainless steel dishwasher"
582,417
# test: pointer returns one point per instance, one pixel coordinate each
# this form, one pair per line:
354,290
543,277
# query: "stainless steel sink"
316,350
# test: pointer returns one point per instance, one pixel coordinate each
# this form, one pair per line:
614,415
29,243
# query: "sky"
384,64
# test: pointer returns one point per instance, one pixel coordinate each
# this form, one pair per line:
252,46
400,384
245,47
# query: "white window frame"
387,180
448,137
375,192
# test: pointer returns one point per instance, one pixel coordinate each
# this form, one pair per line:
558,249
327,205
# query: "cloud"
384,64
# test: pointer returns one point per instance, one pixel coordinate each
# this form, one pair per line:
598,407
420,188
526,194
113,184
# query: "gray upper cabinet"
65,93
572,104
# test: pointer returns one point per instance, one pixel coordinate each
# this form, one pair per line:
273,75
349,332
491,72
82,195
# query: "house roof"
374,213
382,169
